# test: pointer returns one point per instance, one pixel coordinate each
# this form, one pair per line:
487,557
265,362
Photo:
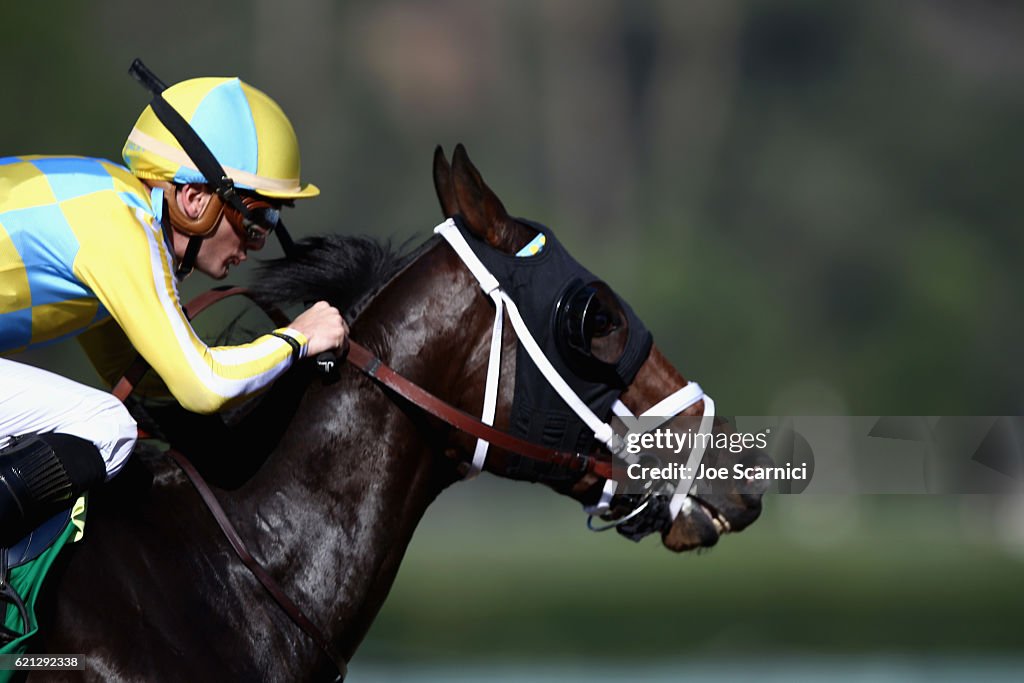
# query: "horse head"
603,351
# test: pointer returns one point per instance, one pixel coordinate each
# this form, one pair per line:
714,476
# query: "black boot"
40,475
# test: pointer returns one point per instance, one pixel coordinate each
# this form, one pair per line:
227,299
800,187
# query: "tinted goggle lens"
262,220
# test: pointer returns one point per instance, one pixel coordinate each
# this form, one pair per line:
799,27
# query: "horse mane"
345,270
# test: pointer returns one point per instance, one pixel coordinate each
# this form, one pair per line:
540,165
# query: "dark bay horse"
326,483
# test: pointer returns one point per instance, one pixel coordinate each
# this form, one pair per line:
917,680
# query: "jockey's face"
225,248
220,251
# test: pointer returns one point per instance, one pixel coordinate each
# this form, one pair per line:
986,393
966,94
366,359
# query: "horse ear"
443,184
483,212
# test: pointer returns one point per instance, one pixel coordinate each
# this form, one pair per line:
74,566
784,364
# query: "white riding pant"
34,401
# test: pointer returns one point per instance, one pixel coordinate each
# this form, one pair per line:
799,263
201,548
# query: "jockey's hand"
323,326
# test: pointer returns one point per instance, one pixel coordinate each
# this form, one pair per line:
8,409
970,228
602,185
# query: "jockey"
94,250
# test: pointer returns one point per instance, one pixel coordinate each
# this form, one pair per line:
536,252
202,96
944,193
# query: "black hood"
541,286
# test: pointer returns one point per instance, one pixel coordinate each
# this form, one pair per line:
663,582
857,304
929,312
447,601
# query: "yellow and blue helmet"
244,128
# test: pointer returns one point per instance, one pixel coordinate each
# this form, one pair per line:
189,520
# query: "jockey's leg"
73,437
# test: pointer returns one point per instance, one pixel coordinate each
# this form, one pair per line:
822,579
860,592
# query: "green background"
814,206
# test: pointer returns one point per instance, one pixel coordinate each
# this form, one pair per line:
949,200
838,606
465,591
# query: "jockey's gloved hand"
324,327
40,475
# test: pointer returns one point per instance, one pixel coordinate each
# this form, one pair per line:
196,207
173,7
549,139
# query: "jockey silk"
82,253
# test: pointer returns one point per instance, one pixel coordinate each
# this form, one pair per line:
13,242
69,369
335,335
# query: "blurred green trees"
793,194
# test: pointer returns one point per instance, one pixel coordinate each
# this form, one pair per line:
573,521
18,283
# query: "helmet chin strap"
188,261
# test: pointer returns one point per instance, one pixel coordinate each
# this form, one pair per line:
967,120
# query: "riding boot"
40,475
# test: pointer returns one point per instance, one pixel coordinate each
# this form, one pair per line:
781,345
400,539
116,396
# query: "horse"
325,481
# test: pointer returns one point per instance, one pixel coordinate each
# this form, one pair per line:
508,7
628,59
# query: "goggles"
264,217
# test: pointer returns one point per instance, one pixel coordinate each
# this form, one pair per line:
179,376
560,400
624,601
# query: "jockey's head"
253,141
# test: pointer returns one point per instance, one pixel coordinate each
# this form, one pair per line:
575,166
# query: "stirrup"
9,596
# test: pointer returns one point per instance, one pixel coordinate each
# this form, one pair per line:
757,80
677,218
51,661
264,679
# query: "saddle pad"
33,545
27,580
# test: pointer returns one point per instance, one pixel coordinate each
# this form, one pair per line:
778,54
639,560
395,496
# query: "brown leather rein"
378,371
374,368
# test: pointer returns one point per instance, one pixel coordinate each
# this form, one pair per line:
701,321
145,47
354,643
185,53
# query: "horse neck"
336,504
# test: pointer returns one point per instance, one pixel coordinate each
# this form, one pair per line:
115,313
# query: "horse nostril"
751,500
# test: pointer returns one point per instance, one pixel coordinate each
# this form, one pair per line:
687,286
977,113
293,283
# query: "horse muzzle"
713,509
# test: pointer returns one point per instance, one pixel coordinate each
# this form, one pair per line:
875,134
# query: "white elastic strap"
603,432
620,409
491,387
450,232
677,402
604,503
679,499
668,408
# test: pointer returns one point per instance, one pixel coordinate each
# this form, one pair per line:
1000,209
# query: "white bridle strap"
604,502
676,403
679,498
666,409
489,284
490,388
603,431
447,230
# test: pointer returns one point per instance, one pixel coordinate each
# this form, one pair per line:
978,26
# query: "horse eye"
602,323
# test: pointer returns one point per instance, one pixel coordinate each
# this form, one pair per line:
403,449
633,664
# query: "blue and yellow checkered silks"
81,252
246,131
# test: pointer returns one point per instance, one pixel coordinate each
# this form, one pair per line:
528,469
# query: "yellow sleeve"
124,260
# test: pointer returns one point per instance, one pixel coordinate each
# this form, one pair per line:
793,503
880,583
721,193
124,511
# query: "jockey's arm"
132,275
